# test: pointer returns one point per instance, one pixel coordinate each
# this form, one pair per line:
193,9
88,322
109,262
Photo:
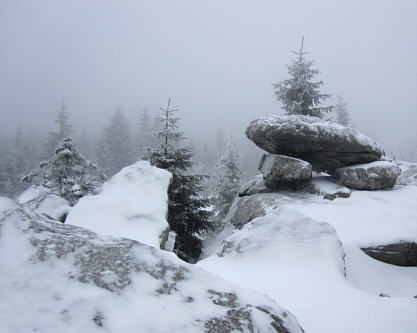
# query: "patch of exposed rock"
371,176
400,254
325,144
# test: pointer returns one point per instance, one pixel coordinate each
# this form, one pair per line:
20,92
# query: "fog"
215,59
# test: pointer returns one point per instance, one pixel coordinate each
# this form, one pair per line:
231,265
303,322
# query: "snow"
132,204
369,218
293,255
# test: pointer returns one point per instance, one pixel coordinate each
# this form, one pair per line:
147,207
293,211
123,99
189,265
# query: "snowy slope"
132,204
285,255
62,278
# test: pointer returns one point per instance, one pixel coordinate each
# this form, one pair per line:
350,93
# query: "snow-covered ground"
284,257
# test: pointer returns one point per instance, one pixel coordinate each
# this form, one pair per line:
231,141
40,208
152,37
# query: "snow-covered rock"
325,144
325,186
45,203
299,261
370,176
132,204
278,169
62,278
401,254
253,186
408,174
246,208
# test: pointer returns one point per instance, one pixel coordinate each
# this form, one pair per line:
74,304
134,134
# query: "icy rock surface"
132,204
371,176
325,144
62,278
277,169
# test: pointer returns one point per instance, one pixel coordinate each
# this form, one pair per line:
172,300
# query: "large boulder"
371,176
400,254
278,169
132,204
63,278
325,144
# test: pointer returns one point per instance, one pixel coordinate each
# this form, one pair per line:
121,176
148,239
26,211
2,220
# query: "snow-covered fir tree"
115,147
67,174
65,129
300,94
342,114
226,180
187,216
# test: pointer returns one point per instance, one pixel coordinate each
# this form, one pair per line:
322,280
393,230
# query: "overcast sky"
215,59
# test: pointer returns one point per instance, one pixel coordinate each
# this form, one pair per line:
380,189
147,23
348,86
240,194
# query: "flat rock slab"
371,176
280,168
400,254
325,144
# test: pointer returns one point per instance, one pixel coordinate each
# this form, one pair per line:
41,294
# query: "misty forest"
208,166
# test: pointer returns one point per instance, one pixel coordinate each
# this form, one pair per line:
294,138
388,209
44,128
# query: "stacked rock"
299,144
282,171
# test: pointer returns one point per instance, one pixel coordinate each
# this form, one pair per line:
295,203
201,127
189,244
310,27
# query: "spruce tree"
300,94
187,216
115,147
65,129
342,114
227,180
67,174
